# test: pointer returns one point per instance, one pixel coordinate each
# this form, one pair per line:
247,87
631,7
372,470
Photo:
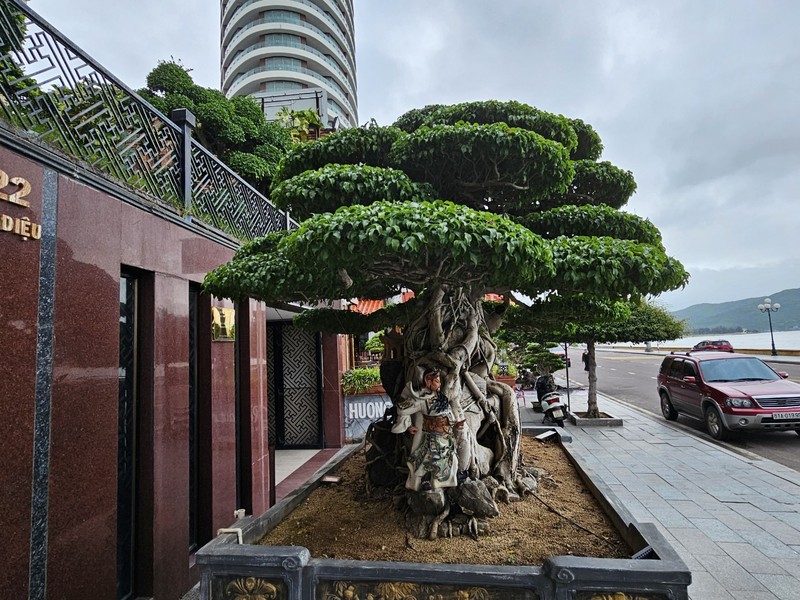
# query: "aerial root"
437,521
473,528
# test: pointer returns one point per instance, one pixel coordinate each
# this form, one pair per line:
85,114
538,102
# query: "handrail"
57,93
305,71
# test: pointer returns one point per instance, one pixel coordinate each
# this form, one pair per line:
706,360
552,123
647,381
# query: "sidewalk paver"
733,519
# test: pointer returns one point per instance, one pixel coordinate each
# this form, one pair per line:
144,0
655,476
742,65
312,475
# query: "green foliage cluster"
538,358
233,129
368,145
481,196
600,220
333,185
646,322
299,122
357,381
511,369
374,344
477,165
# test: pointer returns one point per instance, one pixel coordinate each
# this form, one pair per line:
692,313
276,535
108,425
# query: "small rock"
427,503
474,498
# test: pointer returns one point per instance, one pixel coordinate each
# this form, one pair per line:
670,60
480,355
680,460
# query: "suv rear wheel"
669,412
716,429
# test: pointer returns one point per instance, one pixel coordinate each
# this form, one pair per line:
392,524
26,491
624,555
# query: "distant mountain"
744,314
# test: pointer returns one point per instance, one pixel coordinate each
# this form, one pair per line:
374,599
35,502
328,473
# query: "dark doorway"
294,386
127,435
200,418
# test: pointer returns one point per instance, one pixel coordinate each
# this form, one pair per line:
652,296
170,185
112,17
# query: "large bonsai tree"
453,202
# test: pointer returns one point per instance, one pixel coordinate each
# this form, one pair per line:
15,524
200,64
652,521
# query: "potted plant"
505,372
375,346
362,380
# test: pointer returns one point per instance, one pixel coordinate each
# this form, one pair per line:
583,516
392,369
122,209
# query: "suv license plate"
791,415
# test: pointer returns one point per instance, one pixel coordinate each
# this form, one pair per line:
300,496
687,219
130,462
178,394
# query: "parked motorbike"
553,408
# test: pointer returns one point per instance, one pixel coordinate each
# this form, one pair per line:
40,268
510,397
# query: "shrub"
375,344
356,381
512,369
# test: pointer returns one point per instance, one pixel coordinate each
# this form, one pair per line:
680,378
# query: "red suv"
715,345
731,392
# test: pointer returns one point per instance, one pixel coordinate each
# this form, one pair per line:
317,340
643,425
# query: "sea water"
786,340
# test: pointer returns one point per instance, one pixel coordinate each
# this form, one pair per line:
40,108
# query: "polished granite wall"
19,314
59,379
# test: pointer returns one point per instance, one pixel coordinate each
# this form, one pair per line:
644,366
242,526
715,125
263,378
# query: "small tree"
646,323
374,344
299,123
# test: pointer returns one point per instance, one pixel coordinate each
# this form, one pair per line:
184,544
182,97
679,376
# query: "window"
676,369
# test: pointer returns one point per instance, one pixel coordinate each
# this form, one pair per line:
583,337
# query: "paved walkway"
734,518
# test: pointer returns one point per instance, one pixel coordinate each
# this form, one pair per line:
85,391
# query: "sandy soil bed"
343,521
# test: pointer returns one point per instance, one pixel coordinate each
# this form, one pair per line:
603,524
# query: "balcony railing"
55,92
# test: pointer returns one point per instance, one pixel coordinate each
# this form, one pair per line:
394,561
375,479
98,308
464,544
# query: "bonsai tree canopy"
453,203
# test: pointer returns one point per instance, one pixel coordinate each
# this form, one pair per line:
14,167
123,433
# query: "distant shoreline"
786,342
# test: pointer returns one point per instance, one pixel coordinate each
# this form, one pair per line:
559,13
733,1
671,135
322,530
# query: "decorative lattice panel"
224,200
271,383
54,92
301,393
58,94
293,393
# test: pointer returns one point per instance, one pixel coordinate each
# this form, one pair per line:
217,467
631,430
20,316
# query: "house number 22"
23,189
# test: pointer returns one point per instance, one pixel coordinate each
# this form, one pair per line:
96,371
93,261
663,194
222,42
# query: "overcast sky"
700,99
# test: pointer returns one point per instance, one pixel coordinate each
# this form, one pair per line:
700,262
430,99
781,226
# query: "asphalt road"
631,378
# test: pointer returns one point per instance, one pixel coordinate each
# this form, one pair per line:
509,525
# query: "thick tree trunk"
593,412
452,335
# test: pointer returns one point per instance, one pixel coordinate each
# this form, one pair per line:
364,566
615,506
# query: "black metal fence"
55,92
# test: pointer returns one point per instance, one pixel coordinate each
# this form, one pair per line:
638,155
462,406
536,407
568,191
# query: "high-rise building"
294,53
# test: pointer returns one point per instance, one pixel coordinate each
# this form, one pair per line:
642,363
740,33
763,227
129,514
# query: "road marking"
631,373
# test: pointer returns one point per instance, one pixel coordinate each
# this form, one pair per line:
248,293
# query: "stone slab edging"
609,421
229,569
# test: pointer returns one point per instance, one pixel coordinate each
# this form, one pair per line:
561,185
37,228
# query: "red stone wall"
19,290
97,236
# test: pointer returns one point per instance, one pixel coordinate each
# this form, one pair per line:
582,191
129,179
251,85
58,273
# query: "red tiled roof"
366,307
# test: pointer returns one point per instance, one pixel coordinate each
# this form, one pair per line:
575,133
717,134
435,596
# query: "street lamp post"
769,308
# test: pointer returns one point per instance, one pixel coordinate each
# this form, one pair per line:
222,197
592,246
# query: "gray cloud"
698,99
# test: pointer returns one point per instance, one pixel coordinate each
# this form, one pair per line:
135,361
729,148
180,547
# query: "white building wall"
301,52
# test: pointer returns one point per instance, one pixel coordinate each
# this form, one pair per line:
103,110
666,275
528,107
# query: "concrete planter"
509,380
231,569
607,421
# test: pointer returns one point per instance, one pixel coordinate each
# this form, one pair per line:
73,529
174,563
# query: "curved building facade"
295,53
